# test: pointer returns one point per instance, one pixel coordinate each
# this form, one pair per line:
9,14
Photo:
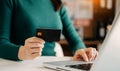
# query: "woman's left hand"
86,54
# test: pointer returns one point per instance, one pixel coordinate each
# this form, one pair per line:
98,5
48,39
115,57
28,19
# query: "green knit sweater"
19,20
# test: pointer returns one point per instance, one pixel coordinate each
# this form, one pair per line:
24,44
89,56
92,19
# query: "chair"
58,50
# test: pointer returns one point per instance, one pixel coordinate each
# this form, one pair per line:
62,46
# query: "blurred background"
92,20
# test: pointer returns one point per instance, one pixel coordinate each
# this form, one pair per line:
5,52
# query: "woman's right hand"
31,49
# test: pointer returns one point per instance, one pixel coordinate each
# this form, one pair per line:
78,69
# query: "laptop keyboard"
85,67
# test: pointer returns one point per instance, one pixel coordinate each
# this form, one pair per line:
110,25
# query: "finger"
41,49
35,55
28,56
40,53
84,56
35,50
96,55
77,55
35,39
31,45
38,48
80,54
90,53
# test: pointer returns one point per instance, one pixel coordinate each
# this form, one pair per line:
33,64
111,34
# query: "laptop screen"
109,58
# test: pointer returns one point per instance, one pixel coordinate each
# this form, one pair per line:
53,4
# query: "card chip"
39,34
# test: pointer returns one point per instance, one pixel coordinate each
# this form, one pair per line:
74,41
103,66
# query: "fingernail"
44,42
43,46
39,44
90,59
87,60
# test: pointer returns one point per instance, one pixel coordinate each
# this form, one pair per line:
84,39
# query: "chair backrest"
58,50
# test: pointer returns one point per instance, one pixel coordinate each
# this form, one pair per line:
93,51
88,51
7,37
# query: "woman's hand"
31,49
86,54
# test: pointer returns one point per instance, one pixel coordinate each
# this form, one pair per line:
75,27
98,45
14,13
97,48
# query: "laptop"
108,59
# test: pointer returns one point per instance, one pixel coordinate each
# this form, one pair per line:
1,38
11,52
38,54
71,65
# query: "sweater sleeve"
69,31
8,50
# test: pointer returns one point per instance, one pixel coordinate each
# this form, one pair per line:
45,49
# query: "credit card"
49,34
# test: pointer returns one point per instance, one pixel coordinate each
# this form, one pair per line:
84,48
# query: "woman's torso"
28,15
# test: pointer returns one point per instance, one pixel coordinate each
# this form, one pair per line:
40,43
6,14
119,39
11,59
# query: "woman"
19,20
